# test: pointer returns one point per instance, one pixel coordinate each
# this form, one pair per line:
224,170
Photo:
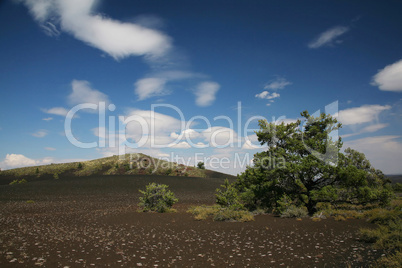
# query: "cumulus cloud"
268,96
278,83
118,39
328,37
19,160
389,78
56,111
83,93
384,152
40,133
359,115
205,93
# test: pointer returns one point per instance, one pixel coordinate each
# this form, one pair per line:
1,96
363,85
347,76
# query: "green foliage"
228,214
397,187
218,213
157,197
79,165
14,182
294,212
306,164
30,201
37,171
201,165
56,176
228,196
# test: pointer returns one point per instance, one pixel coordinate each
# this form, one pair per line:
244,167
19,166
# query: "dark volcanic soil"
92,222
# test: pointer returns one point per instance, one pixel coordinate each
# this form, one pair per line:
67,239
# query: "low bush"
219,213
294,212
157,197
228,214
18,182
383,216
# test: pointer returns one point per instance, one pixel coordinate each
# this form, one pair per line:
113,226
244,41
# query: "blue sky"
198,59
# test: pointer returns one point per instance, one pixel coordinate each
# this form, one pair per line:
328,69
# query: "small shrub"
168,171
294,212
219,213
339,218
13,182
228,196
201,165
56,176
22,181
79,166
383,216
37,171
228,214
30,201
157,197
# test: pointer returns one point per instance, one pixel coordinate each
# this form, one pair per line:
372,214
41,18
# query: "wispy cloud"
329,37
118,39
48,119
367,129
40,133
56,111
268,96
205,93
50,149
150,87
389,78
278,83
362,114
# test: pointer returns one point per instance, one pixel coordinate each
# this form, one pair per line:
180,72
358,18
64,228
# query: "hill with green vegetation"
134,164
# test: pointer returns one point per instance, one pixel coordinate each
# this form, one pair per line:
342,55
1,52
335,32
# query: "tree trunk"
311,206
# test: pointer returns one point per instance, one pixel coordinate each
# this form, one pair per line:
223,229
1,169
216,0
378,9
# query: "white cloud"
367,129
384,152
50,149
149,87
389,78
328,37
268,96
118,39
180,145
83,93
48,119
359,115
19,160
278,83
220,136
205,93
56,110
40,133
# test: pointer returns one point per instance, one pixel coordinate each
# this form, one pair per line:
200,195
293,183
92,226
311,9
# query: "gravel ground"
93,222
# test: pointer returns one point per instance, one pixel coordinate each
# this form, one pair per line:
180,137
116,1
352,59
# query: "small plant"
18,182
339,218
56,176
13,182
37,171
228,196
169,171
201,165
294,212
157,197
79,165
219,213
30,201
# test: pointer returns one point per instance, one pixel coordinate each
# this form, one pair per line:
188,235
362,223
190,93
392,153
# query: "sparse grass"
294,212
339,218
390,261
218,213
